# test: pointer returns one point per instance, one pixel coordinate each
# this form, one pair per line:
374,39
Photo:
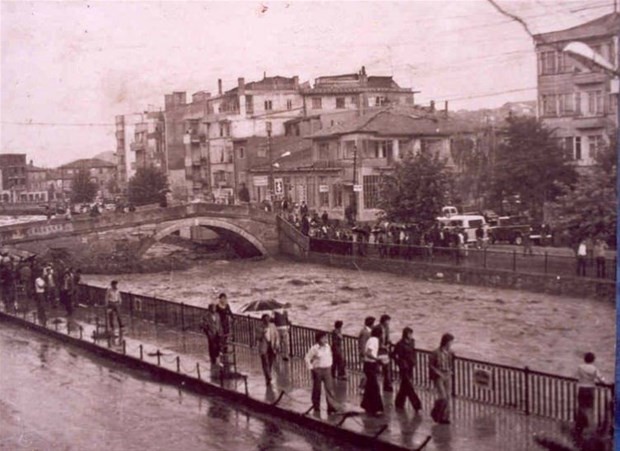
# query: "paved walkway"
475,426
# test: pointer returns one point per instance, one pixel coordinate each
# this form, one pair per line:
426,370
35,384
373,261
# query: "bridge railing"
522,389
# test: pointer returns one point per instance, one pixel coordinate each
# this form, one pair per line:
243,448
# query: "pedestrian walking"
212,328
385,348
479,236
371,401
280,319
527,242
362,338
600,248
113,305
223,309
588,376
268,344
39,293
66,291
25,276
441,365
319,360
339,366
582,255
405,358
50,284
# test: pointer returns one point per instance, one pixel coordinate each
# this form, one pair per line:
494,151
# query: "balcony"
589,78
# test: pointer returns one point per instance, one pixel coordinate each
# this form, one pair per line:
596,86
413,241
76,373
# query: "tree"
147,186
531,165
415,190
83,189
589,207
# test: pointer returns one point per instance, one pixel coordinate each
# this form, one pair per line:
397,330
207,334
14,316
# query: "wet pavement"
475,426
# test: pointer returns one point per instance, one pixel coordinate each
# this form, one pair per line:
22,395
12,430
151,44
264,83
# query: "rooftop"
398,121
603,26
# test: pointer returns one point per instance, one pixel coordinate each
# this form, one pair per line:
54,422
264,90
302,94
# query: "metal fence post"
526,390
178,364
141,353
514,261
198,369
546,261
182,315
484,256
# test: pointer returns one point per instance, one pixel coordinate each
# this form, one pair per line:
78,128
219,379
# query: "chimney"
445,108
219,86
264,74
241,85
432,106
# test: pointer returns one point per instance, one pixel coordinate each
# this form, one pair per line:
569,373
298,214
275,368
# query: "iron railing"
516,261
528,391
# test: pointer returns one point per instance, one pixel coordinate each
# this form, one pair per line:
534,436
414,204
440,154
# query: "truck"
510,229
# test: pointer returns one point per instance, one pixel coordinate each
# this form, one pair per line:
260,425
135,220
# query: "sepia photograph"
308,225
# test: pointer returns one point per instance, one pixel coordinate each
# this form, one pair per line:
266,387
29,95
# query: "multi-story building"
102,173
576,99
348,159
125,157
37,188
337,98
12,176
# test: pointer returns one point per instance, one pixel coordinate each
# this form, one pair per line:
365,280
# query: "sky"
68,67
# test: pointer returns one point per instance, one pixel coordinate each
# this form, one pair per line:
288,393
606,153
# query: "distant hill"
498,115
108,156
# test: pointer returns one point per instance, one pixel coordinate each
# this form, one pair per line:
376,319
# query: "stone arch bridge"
251,231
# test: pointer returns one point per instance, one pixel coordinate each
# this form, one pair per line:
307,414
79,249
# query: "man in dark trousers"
384,349
405,357
338,367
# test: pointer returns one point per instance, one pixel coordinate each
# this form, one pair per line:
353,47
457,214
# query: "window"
381,101
355,101
578,103
577,147
323,194
241,153
224,129
566,144
289,105
595,102
268,105
548,63
249,104
337,190
340,102
262,151
566,104
595,144
323,151
317,103
371,191
310,192
549,105
348,149
379,149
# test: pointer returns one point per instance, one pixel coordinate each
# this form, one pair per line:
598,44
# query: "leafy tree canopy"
83,189
530,164
147,186
416,190
589,208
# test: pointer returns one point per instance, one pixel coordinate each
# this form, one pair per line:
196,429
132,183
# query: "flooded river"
53,397
547,333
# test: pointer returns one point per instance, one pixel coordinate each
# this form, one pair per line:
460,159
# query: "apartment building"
577,99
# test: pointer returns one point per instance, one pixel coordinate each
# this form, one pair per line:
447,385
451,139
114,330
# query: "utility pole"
270,182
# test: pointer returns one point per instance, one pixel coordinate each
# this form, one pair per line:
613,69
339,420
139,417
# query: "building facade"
12,176
102,173
575,98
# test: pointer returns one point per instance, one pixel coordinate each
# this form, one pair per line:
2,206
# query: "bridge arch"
215,224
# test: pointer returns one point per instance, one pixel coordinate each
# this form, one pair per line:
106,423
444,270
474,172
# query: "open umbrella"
264,305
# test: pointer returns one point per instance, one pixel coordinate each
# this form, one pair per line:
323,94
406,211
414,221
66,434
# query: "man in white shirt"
582,255
113,305
319,361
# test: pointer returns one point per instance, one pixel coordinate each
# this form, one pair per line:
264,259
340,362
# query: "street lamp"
270,184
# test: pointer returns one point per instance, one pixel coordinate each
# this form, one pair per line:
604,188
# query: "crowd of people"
327,363
50,285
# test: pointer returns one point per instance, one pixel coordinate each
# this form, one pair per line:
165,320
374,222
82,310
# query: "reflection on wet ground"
55,398
474,426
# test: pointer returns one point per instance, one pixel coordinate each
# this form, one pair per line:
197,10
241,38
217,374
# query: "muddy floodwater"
547,333
53,397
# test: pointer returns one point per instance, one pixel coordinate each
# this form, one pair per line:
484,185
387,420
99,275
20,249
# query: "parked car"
469,223
510,229
541,235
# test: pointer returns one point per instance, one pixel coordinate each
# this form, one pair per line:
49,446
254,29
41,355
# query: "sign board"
323,188
278,186
260,180
357,188
483,378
